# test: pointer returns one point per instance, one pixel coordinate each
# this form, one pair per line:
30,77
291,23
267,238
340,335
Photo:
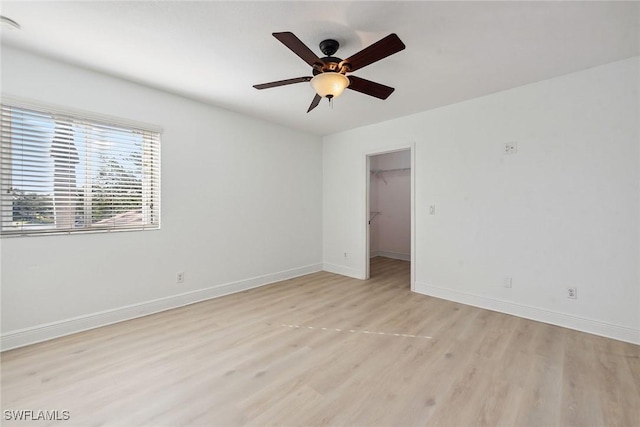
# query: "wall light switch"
432,209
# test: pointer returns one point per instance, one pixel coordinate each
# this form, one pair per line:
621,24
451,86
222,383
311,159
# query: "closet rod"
389,170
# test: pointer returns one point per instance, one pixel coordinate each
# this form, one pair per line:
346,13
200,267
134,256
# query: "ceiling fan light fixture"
330,79
329,84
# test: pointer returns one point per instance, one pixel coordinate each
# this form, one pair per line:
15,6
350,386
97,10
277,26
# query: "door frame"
366,230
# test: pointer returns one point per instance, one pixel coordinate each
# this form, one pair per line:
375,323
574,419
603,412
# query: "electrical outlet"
432,209
510,147
507,282
345,255
572,293
180,277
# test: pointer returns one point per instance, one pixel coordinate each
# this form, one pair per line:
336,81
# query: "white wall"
563,211
241,206
373,207
390,194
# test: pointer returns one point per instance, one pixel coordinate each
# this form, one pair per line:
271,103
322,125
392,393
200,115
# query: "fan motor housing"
331,63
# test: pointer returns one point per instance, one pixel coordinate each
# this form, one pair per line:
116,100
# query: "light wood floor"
328,350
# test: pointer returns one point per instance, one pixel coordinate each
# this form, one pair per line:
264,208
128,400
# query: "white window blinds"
63,174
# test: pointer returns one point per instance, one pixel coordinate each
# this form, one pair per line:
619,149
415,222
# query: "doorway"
390,219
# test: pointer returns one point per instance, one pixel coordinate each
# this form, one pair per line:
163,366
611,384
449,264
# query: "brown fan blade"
283,82
292,42
315,102
369,88
377,51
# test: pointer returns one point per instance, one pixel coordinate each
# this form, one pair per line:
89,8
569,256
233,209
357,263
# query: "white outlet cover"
507,282
510,147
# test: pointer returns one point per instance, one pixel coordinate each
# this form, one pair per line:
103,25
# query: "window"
63,173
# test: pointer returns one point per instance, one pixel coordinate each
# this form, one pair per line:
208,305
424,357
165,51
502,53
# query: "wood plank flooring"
328,350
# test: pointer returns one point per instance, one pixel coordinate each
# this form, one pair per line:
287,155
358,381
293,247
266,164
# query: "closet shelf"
379,173
376,171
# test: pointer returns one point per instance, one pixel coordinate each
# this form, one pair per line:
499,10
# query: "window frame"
146,129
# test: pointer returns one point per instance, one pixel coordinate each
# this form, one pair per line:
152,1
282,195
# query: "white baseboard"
373,254
32,335
395,255
621,333
344,271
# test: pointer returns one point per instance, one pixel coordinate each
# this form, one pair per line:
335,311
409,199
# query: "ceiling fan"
329,73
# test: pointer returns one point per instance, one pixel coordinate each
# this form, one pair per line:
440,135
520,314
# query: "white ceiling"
215,51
